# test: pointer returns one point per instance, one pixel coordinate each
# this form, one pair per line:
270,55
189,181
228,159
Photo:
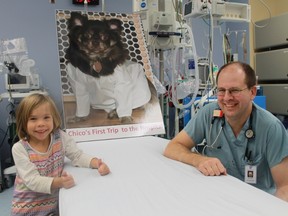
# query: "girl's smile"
40,125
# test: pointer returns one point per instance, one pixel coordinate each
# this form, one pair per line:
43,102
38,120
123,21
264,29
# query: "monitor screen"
188,8
15,82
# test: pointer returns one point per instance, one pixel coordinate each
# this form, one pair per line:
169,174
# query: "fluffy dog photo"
100,72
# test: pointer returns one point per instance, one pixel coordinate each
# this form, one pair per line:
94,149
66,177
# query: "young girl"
39,157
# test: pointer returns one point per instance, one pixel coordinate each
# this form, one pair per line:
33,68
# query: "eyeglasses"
232,91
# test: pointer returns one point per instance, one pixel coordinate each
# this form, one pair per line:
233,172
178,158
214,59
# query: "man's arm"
280,176
179,148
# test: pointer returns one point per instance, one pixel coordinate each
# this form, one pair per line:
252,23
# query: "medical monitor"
16,82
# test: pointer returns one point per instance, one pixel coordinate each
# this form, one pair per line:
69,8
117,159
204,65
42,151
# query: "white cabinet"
272,33
271,61
272,65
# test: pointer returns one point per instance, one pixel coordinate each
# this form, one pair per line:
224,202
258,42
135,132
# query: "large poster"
106,76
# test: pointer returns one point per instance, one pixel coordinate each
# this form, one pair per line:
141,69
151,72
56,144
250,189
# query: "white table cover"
143,182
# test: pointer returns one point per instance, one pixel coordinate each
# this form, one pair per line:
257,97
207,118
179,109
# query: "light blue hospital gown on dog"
124,90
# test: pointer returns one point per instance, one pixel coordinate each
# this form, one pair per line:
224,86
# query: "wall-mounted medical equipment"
17,82
172,51
159,22
19,70
220,10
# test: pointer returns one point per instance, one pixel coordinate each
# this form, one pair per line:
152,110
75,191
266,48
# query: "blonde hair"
26,107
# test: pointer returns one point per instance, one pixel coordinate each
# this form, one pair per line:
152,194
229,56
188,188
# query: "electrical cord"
269,19
4,138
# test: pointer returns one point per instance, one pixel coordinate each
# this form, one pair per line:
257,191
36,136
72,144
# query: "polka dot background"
132,36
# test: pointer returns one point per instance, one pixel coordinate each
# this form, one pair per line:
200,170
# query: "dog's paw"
112,115
126,120
74,119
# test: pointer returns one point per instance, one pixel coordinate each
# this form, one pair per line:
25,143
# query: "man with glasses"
239,137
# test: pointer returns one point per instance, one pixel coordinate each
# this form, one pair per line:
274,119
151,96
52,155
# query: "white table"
144,182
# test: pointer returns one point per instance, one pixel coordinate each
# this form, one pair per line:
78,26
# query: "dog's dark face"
95,46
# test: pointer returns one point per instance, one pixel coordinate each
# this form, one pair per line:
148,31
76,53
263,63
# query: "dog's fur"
95,46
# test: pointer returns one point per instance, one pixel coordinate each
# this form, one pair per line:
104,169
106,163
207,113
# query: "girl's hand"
67,180
103,169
